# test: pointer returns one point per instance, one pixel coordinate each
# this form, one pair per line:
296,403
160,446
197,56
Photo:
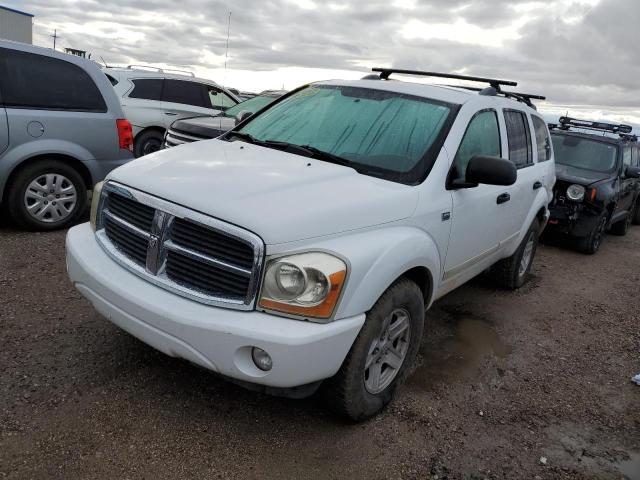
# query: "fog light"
262,359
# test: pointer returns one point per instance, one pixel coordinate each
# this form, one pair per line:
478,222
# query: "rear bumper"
99,169
216,338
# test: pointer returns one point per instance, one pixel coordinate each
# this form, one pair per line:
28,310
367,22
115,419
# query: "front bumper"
218,339
572,219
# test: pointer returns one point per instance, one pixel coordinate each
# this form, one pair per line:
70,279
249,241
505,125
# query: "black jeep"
597,187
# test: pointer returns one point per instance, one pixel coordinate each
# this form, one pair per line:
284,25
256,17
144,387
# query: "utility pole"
55,36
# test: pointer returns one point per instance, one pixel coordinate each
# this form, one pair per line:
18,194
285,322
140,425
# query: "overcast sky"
584,55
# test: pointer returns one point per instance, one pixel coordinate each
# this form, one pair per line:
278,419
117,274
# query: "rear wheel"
381,355
591,243
512,272
47,195
622,227
147,142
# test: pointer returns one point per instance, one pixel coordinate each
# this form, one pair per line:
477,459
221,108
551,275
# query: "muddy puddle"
630,468
457,351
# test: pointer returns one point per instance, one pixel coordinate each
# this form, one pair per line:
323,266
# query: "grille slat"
198,257
133,212
128,242
211,243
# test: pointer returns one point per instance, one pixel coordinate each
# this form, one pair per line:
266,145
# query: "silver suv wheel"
50,198
387,353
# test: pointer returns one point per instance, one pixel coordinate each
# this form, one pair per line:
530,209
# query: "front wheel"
512,272
590,244
381,355
47,195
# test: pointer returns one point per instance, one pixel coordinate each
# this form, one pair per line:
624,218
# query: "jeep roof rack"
566,123
494,88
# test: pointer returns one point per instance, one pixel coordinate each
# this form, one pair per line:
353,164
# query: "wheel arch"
69,160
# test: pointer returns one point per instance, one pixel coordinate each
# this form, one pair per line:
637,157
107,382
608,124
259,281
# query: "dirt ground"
533,384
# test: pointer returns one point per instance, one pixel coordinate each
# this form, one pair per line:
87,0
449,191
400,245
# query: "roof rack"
629,138
160,70
493,89
566,123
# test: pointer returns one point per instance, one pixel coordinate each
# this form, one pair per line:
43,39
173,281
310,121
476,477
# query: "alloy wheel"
387,353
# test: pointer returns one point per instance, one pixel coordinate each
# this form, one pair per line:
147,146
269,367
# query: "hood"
580,176
206,127
280,196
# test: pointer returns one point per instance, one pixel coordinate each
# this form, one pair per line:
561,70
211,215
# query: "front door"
483,215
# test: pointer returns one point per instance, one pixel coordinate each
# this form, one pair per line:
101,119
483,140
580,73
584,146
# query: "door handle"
537,185
170,113
504,198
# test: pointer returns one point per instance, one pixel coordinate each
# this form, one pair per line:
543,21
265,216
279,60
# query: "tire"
512,272
622,227
147,142
636,215
54,193
590,244
353,392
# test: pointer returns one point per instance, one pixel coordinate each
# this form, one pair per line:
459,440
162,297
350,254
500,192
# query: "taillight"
125,134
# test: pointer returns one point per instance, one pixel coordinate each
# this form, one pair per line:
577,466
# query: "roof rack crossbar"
160,70
521,97
386,72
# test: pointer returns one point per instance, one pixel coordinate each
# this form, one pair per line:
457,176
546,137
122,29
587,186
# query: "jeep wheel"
512,272
591,243
147,142
636,216
622,227
47,195
381,355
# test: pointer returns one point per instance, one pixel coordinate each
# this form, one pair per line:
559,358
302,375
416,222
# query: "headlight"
95,202
308,284
575,193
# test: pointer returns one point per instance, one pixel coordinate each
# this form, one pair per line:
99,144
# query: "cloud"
577,52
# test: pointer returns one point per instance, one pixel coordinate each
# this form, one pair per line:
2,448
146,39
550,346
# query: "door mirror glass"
242,116
488,170
632,172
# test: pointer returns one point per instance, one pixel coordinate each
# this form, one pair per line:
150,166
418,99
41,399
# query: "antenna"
105,63
226,53
55,36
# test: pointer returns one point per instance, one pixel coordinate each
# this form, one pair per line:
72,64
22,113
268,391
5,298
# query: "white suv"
304,246
153,100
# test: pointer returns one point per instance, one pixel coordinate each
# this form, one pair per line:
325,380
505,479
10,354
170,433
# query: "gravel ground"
529,384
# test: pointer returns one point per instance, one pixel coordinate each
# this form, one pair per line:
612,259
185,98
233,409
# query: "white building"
16,25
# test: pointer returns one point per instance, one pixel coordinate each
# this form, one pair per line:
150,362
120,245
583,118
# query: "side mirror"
632,172
488,170
242,116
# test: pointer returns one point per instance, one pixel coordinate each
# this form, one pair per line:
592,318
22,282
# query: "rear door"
627,185
183,98
51,100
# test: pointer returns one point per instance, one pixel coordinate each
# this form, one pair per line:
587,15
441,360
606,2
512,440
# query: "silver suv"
61,131
153,100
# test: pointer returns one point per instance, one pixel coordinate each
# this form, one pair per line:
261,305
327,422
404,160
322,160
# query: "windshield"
584,153
252,105
385,134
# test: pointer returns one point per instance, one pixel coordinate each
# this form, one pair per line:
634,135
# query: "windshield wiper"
244,136
309,151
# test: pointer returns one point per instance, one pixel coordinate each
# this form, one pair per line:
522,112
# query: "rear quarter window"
29,80
147,88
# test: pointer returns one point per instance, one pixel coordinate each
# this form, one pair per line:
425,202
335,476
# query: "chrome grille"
179,249
173,138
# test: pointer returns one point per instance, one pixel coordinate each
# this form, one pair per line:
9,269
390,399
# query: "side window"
626,155
519,138
29,80
147,88
187,93
542,139
218,99
481,138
